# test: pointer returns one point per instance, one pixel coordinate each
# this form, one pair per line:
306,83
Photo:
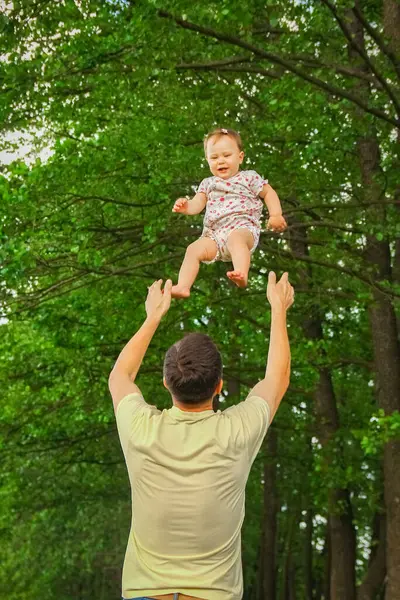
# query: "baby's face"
223,156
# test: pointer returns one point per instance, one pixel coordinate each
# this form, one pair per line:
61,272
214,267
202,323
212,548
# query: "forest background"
114,98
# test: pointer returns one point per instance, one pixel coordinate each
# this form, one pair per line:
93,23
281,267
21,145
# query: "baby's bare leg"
202,249
239,244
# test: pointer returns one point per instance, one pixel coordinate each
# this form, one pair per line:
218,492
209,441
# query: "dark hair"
193,368
219,132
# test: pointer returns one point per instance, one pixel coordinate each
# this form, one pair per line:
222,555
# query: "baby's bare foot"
179,291
238,277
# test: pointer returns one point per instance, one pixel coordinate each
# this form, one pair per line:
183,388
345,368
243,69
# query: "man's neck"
208,405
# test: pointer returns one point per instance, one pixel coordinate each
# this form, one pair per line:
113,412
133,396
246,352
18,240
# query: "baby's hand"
276,223
181,206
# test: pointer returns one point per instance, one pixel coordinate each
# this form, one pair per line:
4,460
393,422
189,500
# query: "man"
188,466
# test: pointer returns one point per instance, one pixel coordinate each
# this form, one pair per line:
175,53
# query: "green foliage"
107,89
382,429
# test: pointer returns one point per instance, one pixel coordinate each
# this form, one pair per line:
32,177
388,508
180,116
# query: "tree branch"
378,39
79,197
235,41
239,68
363,54
351,272
213,66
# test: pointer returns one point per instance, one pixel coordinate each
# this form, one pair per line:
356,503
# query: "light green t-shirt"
188,472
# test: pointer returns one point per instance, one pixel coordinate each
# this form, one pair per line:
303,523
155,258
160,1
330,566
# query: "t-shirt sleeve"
130,414
204,186
256,182
251,419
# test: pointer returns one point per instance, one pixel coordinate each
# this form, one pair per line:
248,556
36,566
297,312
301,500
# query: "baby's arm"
272,201
276,220
191,207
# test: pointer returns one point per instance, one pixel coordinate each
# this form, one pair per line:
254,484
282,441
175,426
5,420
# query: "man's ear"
219,387
165,383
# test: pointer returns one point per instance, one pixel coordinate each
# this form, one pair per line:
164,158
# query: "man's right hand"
280,295
158,301
181,206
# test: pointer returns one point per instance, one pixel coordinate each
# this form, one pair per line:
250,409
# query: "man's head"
193,369
224,152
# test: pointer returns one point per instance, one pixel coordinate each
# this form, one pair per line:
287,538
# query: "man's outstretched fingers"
285,277
271,277
166,292
156,284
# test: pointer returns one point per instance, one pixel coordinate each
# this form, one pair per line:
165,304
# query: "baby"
232,221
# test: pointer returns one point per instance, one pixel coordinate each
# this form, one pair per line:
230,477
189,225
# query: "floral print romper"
232,204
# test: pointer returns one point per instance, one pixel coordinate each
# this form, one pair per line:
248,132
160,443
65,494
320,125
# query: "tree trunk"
321,582
287,588
342,537
375,576
291,581
391,24
308,555
381,313
387,363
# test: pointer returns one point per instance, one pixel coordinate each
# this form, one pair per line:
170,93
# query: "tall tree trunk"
342,537
308,555
381,312
291,581
286,592
328,569
288,571
391,24
322,584
375,576
387,366
396,260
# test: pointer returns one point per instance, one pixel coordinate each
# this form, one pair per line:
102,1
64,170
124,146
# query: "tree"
123,93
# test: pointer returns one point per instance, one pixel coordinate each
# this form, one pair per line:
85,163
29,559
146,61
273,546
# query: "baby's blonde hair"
219,132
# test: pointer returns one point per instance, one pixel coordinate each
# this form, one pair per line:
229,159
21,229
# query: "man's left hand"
158,301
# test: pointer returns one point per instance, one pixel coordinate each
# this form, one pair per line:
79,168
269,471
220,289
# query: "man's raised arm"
122,378
277,375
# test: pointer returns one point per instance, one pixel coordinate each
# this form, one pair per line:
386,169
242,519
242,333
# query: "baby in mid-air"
232,222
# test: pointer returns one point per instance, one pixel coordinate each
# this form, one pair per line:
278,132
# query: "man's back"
188,472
